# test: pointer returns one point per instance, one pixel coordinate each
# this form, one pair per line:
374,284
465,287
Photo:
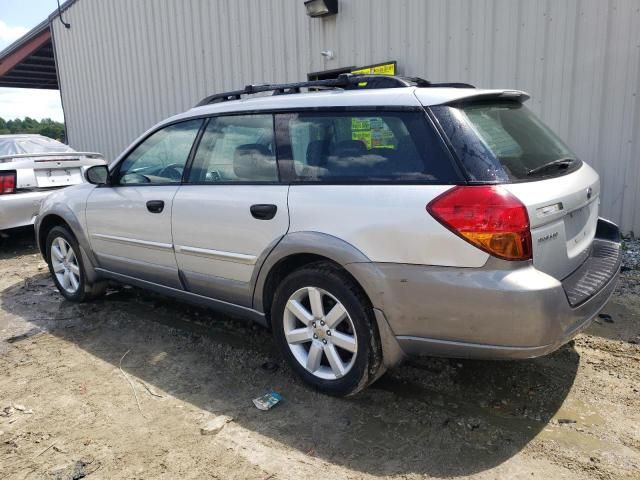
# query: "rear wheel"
325,328
66,266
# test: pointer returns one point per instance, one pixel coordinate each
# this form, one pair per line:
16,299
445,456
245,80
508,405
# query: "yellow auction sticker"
388,68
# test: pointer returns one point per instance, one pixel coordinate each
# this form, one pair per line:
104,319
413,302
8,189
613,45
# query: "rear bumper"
504,310
20,209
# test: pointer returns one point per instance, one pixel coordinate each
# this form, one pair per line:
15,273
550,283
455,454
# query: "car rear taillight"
488,217
7,182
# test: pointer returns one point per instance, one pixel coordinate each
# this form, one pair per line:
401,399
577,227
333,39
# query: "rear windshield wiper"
559,163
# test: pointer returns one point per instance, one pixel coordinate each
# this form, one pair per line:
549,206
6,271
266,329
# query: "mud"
572,414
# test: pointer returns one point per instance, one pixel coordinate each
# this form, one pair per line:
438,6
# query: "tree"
46,127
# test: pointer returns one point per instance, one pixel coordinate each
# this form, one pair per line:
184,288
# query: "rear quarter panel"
387,223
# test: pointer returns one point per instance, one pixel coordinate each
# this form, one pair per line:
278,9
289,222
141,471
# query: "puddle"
572,435
582,413
575,440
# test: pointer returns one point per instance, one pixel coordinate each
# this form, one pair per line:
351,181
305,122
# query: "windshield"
31,144
504,141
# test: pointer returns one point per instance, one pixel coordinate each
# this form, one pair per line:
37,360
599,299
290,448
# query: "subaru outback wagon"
367,220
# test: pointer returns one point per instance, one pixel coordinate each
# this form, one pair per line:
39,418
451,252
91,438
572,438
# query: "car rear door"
232,208
129,221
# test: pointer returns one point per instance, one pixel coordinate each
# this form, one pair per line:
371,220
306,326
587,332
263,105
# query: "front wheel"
66,266
325,327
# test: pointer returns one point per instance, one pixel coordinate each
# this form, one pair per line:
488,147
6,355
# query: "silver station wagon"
366,220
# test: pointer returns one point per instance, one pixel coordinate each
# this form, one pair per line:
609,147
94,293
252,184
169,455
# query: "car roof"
382,97
410,96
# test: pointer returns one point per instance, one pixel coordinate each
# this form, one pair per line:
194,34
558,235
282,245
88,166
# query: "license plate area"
580,228
58,177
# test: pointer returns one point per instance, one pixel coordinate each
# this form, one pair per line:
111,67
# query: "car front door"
231,209
129,221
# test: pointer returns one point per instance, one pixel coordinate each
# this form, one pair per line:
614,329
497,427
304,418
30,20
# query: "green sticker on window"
373,132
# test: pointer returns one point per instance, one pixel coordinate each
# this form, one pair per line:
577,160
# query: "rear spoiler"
54,156
516,95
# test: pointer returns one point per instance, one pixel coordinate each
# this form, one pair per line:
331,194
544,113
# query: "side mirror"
97,175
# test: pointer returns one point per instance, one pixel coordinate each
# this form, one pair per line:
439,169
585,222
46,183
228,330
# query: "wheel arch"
293,252
64,216
46,224
301,248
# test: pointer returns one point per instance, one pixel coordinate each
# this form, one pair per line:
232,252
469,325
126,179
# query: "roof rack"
345,81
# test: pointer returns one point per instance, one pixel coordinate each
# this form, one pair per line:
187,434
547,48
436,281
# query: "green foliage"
46,127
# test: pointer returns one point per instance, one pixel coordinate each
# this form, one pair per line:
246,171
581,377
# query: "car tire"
302,330
66,265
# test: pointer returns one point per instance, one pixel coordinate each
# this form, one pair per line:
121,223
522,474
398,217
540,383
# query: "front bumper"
504,310
20,209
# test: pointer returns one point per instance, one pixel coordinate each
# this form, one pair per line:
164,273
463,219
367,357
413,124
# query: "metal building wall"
124,65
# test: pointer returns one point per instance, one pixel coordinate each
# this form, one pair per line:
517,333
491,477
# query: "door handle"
155,206
263,211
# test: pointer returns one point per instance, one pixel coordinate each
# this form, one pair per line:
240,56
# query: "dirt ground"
68,411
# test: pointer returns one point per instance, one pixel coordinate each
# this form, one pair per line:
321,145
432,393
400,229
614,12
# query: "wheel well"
286,266
46,225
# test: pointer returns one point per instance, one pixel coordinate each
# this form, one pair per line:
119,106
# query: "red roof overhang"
29,62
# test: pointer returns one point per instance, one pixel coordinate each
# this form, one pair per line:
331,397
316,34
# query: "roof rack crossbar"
345,81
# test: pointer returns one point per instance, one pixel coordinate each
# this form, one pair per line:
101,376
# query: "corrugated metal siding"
124,65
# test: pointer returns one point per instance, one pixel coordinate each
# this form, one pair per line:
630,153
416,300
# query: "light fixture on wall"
321,8
66,24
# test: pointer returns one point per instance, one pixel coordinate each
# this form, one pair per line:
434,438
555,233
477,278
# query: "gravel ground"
121,388
629,285
631,248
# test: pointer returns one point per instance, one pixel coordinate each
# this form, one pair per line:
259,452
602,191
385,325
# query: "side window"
237,148
363,146
161,157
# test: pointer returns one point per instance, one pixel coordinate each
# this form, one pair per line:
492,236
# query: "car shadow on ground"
430,416
17,241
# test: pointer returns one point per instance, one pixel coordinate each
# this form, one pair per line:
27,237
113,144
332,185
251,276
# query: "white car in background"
31,166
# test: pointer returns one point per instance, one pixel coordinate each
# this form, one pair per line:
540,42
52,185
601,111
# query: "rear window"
505,142
366,147
31,144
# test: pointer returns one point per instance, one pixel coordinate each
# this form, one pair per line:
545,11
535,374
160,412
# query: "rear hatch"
563,214
497,140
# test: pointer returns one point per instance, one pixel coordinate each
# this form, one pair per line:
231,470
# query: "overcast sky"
17,17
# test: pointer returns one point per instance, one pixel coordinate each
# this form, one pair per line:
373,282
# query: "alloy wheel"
65,265
320,333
